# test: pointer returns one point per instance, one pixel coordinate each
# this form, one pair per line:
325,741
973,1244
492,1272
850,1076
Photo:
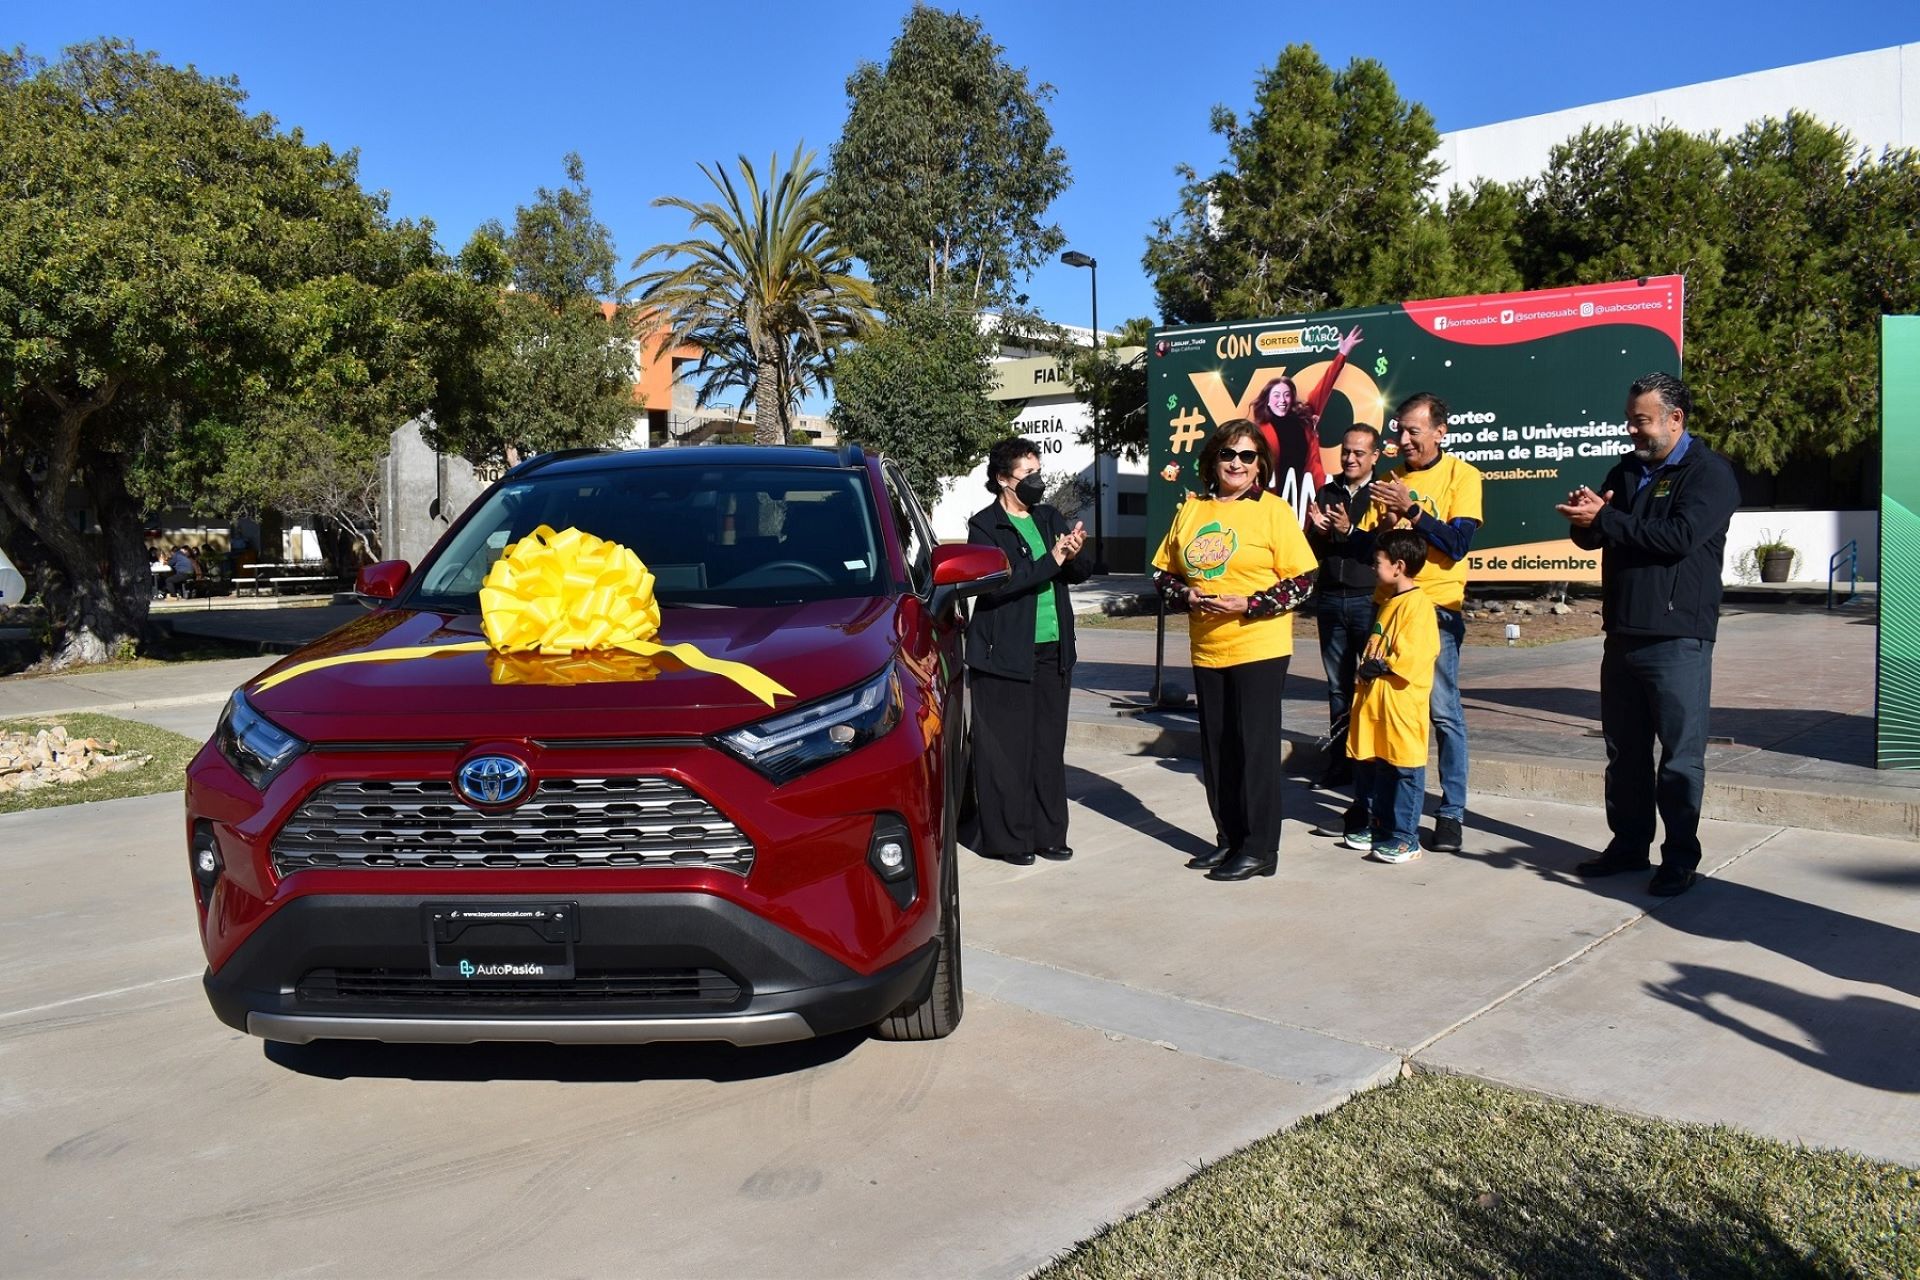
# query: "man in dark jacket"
1660,522
1343,595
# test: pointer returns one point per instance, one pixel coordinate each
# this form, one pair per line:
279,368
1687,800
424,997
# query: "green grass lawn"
165,772
1441,1176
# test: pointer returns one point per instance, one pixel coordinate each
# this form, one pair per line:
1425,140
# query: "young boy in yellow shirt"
1387,734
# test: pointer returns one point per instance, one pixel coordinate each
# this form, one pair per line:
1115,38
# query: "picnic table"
285,578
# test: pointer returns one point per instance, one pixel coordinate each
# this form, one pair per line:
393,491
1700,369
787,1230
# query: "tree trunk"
769,413
102,590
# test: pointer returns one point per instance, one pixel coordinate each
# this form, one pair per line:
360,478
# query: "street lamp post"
1074,258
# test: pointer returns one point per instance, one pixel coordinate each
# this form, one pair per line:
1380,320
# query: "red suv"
464,844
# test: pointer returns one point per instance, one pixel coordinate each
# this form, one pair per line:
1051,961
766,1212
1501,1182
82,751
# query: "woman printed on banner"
1291,428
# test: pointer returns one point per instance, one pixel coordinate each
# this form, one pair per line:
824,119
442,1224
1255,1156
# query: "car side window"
916,542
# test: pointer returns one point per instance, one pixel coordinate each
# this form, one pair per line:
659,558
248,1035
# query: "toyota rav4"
407,831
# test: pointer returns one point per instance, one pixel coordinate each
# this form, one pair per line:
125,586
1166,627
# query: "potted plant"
1774,557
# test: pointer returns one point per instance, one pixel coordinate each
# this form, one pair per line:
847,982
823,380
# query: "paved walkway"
1127,1021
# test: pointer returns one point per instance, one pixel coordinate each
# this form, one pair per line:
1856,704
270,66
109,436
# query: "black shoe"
1245,866
1337,778
1610,864
1670,882
1446,836
1055,853
1353,820
1017,859
1210,859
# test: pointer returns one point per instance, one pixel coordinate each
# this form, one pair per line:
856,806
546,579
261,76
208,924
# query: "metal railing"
1848,555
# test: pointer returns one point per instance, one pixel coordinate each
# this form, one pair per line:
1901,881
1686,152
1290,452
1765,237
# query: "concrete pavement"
1127,1020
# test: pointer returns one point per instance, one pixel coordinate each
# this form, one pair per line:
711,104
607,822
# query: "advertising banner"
1897,695
1535,383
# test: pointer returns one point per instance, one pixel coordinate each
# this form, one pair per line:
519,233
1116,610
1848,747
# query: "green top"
1046,622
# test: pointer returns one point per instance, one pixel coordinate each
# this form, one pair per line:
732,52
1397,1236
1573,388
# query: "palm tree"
766,291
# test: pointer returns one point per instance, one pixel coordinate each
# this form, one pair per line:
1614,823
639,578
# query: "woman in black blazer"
1020,652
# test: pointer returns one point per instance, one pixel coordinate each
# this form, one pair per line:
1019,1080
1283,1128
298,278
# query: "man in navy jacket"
1660,522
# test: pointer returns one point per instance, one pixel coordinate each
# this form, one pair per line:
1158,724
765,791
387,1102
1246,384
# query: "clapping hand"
1338,519
1583,506
1391,498
1068,544
1318,518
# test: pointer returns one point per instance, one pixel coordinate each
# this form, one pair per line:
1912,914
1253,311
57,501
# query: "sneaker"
1395,852
1446,835
1361,839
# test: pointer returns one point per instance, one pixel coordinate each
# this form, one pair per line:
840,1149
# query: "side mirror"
382,581
964,569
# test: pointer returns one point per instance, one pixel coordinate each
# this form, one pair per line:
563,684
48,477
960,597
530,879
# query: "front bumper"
345,966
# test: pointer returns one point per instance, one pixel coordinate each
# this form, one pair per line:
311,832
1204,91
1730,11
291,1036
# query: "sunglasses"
1247,456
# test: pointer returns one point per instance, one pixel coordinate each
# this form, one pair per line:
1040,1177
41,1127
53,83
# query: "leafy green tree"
917,391
946,166
765,288
1792,244
172,272
552,366
1114,389
1321,188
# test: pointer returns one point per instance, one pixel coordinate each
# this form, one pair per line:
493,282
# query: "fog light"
890,854
204,859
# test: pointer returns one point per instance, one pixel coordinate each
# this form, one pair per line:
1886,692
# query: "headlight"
787,745
253,744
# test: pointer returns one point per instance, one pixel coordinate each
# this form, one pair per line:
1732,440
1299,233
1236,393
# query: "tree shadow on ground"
599,1063
1110,799
1863,1039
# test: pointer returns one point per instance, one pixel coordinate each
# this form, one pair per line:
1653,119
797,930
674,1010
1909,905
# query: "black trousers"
1240,750
1020,757
1656,690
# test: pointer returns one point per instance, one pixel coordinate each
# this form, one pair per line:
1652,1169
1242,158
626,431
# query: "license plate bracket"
501,941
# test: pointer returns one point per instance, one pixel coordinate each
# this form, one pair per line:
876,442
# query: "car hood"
812,649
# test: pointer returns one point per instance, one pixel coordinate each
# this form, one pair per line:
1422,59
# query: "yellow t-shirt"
1236,548
1447,490
1391,714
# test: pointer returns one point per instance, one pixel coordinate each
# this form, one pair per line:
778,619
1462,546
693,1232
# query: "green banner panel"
1536,386
1897,697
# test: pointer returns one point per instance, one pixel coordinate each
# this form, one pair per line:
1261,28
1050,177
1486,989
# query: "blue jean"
1449,721
1345,619
1396,794
1656,690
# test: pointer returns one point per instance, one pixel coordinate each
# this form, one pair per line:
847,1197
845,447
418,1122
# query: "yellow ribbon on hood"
562,594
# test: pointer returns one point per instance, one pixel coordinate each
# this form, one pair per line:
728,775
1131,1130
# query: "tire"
935,1017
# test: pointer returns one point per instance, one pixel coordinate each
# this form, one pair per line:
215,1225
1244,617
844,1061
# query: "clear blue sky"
461,110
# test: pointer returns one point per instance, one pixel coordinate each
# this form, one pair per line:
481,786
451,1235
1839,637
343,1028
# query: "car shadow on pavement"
1112,800
570,1064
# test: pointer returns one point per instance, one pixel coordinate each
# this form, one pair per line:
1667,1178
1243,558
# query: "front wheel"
936,1016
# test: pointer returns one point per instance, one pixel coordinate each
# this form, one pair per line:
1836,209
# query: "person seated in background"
180,571
158,568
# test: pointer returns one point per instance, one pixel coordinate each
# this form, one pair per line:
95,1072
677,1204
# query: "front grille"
567,822
707,987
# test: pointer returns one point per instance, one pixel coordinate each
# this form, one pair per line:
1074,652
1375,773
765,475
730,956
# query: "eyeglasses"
1246,456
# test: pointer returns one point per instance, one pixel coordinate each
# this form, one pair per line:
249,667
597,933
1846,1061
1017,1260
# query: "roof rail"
852,455
528,465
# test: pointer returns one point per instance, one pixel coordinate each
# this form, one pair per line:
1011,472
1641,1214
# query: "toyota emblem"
492,780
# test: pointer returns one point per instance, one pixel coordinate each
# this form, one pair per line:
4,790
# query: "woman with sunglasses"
1236,561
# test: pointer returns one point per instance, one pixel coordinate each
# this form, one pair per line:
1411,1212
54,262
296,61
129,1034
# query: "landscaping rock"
1561,609
51,757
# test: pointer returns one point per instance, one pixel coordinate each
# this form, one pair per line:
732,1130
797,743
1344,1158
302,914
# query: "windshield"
710,535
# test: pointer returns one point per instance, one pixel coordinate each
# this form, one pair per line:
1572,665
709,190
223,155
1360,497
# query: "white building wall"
1874,96
1816,535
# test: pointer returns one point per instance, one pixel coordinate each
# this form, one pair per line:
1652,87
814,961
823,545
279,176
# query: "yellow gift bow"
562,594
